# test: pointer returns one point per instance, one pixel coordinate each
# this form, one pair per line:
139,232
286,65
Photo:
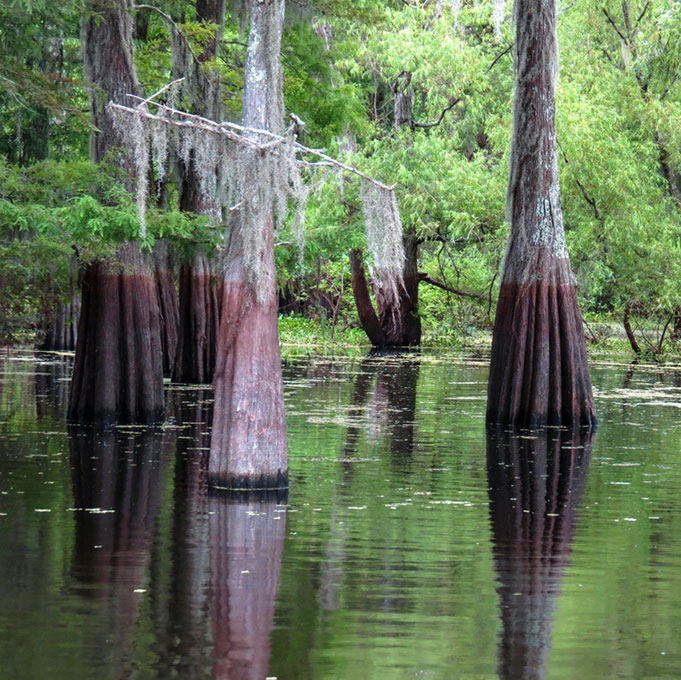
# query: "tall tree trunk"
398,323
199,284
401,322
365,308
118,374
538,372
248,444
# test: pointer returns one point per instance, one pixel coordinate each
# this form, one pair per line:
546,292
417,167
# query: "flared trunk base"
538,372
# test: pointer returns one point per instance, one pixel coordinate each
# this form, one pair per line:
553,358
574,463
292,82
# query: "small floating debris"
42,510
140,590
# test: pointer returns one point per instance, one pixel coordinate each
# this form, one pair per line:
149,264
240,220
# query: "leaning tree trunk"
199,283
397,323
118,374
538,373
248,443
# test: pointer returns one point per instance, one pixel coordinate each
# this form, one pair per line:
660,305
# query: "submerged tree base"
118,370
539,374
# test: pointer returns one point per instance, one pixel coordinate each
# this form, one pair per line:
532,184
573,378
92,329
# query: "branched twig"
175,27
499,56
435,123
611,21
161,91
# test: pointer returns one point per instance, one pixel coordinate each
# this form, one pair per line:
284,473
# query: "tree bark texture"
62,327
538,372
365,308
118,373
401,323
394,325
164,273
248,443
535,490
200,298
118,370
106,40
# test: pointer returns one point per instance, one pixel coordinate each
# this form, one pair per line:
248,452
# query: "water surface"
413,543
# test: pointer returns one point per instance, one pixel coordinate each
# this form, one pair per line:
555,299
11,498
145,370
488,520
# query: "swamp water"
412,544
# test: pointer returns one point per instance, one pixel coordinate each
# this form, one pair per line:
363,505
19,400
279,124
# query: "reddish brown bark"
168,304
118,371
365,308
395,325
246,546
200,297
538,371
535,490
200,288
248,443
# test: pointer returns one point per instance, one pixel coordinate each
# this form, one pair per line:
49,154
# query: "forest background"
414,93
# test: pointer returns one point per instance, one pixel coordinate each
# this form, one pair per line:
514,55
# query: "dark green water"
411,544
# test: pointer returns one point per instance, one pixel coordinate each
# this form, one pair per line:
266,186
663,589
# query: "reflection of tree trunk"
535,487
246,545
189,634
52,388
117,482
397,380
538,369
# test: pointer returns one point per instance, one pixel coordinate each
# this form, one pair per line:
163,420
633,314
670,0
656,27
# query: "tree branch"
499,56
423,276
201,123
435,123
614,25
